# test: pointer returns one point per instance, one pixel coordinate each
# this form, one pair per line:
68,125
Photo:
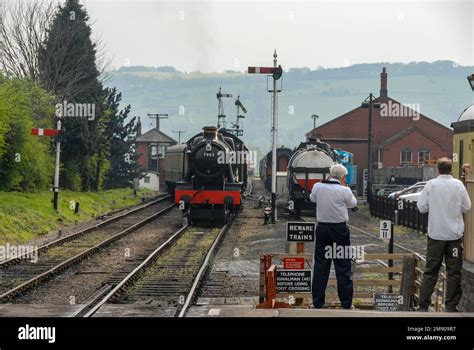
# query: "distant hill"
440,88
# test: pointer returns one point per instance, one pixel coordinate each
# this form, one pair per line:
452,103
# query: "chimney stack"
139,127
383,83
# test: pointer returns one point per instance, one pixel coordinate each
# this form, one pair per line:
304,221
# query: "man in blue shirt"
332,200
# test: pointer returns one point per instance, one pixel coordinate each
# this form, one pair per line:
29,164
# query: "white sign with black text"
385,229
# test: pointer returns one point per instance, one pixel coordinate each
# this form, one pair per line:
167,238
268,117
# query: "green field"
24,216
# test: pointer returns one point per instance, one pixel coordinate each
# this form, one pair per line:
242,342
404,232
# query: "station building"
151,147
463,140
401,135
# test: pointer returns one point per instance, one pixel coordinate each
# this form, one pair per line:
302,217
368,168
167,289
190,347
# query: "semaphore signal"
276,72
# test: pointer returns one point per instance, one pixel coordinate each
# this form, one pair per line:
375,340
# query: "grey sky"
221,35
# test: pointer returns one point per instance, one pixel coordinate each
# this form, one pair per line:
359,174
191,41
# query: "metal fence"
408,215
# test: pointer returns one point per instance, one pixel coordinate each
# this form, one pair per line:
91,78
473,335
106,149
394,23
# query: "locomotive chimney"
210,132
383,83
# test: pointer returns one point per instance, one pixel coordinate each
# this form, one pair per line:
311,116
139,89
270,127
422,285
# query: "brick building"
402,136
151,148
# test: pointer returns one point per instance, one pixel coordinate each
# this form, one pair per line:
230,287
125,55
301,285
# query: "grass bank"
24,216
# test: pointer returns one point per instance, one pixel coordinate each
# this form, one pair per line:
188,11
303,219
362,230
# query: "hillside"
440,89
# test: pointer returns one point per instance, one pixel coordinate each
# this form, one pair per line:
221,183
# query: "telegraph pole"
369,103
179,132
276,73
158,116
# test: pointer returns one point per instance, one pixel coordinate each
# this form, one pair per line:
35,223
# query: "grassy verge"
24,216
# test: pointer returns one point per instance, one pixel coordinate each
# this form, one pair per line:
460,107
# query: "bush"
26,161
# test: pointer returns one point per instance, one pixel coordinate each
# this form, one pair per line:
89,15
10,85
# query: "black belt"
331,223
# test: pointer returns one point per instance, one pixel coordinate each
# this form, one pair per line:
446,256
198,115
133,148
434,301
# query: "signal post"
275,72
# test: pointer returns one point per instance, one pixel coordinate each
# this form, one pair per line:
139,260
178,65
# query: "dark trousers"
451,252
326,236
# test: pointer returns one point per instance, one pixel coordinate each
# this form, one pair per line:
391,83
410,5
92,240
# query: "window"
419,189
161,151
153,151
147,179
405,156
423,155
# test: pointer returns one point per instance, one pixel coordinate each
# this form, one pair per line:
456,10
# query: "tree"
67,60
68,69
122,157
23,29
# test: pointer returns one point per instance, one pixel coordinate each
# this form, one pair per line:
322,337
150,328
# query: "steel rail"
202,271
12,293
73,236
133,275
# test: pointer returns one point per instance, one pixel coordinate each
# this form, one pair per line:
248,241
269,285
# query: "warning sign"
300,231
293,263
387,301
385,229
293,281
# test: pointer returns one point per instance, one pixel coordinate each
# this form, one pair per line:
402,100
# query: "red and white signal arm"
260,70
275,71
45,132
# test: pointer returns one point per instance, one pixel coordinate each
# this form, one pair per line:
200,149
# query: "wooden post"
270,291
300,248
271,286
261,292
267,263
408,281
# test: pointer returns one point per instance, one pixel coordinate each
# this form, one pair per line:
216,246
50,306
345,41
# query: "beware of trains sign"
300,231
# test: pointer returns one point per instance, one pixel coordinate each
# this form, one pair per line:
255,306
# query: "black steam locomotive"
208,174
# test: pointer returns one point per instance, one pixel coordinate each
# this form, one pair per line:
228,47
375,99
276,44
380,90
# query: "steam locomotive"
208,174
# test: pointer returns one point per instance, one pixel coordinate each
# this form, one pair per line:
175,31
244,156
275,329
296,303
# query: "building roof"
155,135
381,99
378,99
400,135
467,114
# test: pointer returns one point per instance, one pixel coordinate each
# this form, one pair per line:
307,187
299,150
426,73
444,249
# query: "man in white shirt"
332,200
446,199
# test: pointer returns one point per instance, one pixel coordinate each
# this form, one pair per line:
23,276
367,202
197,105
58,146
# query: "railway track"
19,275
373,242
169,278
